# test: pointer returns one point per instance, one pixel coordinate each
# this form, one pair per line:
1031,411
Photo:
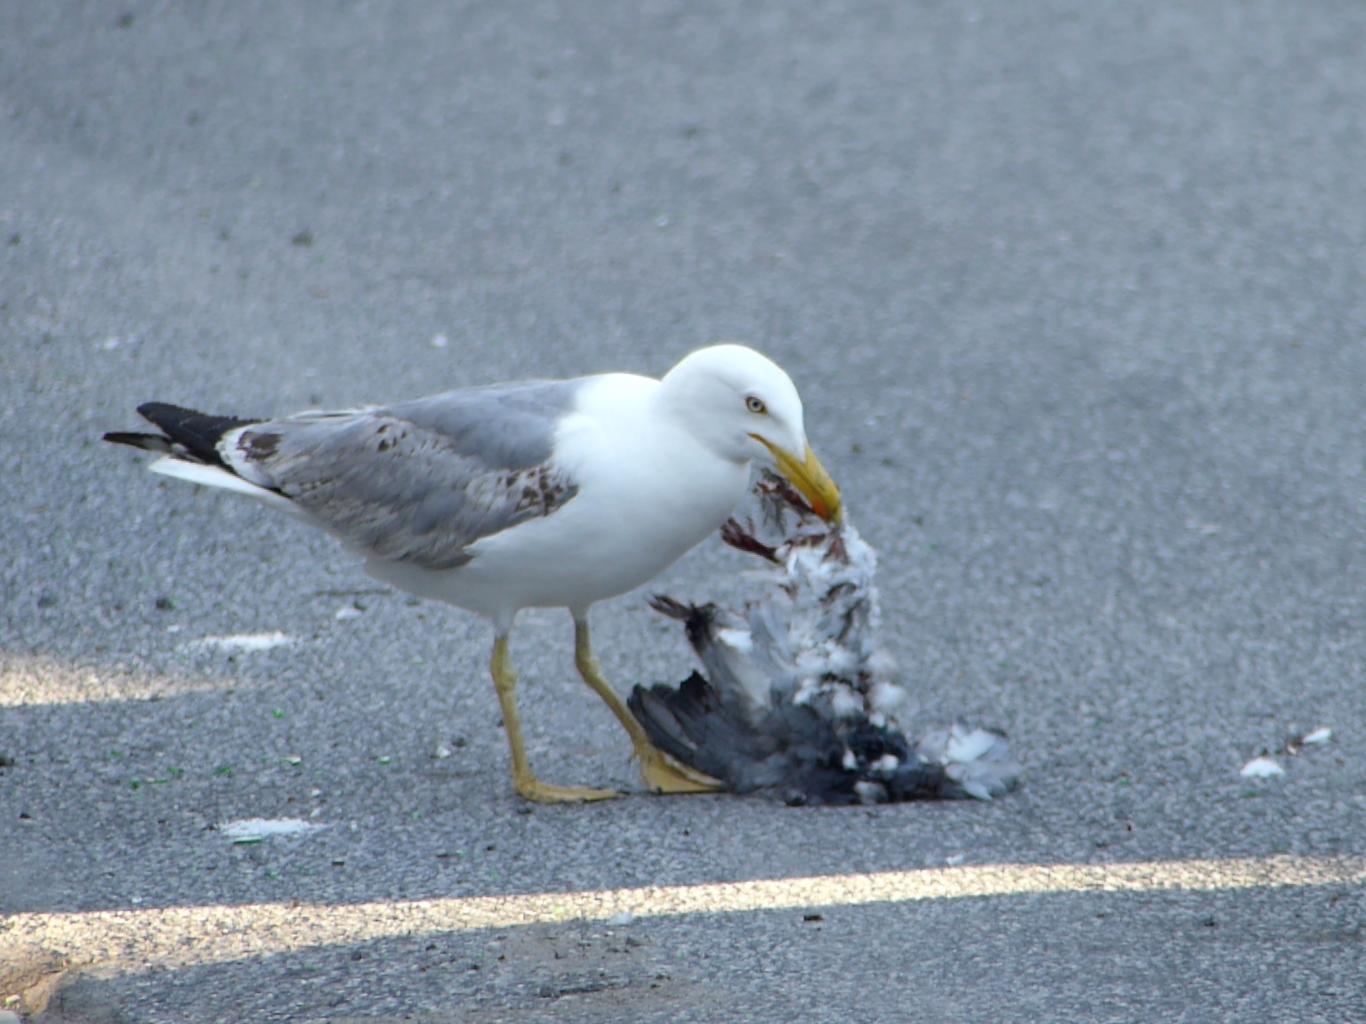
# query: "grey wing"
419,481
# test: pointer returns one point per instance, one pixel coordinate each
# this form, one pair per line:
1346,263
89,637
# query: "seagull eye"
756,405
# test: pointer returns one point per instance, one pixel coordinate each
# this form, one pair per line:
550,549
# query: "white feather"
739,640
884,698
845,702
969,745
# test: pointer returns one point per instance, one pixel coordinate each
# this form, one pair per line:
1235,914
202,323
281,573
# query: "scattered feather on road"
1262,767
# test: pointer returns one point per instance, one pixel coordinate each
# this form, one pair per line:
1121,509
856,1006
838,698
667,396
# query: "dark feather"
196,432
147,442
187,434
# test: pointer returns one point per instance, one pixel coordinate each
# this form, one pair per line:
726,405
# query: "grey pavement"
1075,295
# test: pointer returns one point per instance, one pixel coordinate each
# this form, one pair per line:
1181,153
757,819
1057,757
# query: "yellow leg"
661,772
530,787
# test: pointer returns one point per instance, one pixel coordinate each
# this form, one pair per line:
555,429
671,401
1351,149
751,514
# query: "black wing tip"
187,432
152,411
169,416
147,442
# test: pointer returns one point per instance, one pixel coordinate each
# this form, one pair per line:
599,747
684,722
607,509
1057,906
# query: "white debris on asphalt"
1261,768
240,643
1320,735
255,829
348,611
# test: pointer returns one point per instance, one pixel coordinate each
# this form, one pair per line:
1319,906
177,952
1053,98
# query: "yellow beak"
809,477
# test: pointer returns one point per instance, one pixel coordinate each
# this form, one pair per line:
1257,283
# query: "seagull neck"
686,409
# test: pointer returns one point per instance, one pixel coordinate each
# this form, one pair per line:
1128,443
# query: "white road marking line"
137,940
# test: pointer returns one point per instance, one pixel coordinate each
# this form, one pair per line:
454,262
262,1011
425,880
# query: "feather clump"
796,697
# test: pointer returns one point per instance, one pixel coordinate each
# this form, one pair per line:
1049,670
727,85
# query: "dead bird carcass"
795,697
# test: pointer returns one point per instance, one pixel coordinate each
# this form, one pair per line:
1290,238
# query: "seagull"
541,493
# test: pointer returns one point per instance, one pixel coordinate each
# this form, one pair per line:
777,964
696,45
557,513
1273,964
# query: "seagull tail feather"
189,446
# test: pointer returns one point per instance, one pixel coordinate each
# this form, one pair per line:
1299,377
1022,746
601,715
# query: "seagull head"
743,406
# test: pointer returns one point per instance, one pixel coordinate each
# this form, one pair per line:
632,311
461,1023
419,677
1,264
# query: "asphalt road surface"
1076,298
